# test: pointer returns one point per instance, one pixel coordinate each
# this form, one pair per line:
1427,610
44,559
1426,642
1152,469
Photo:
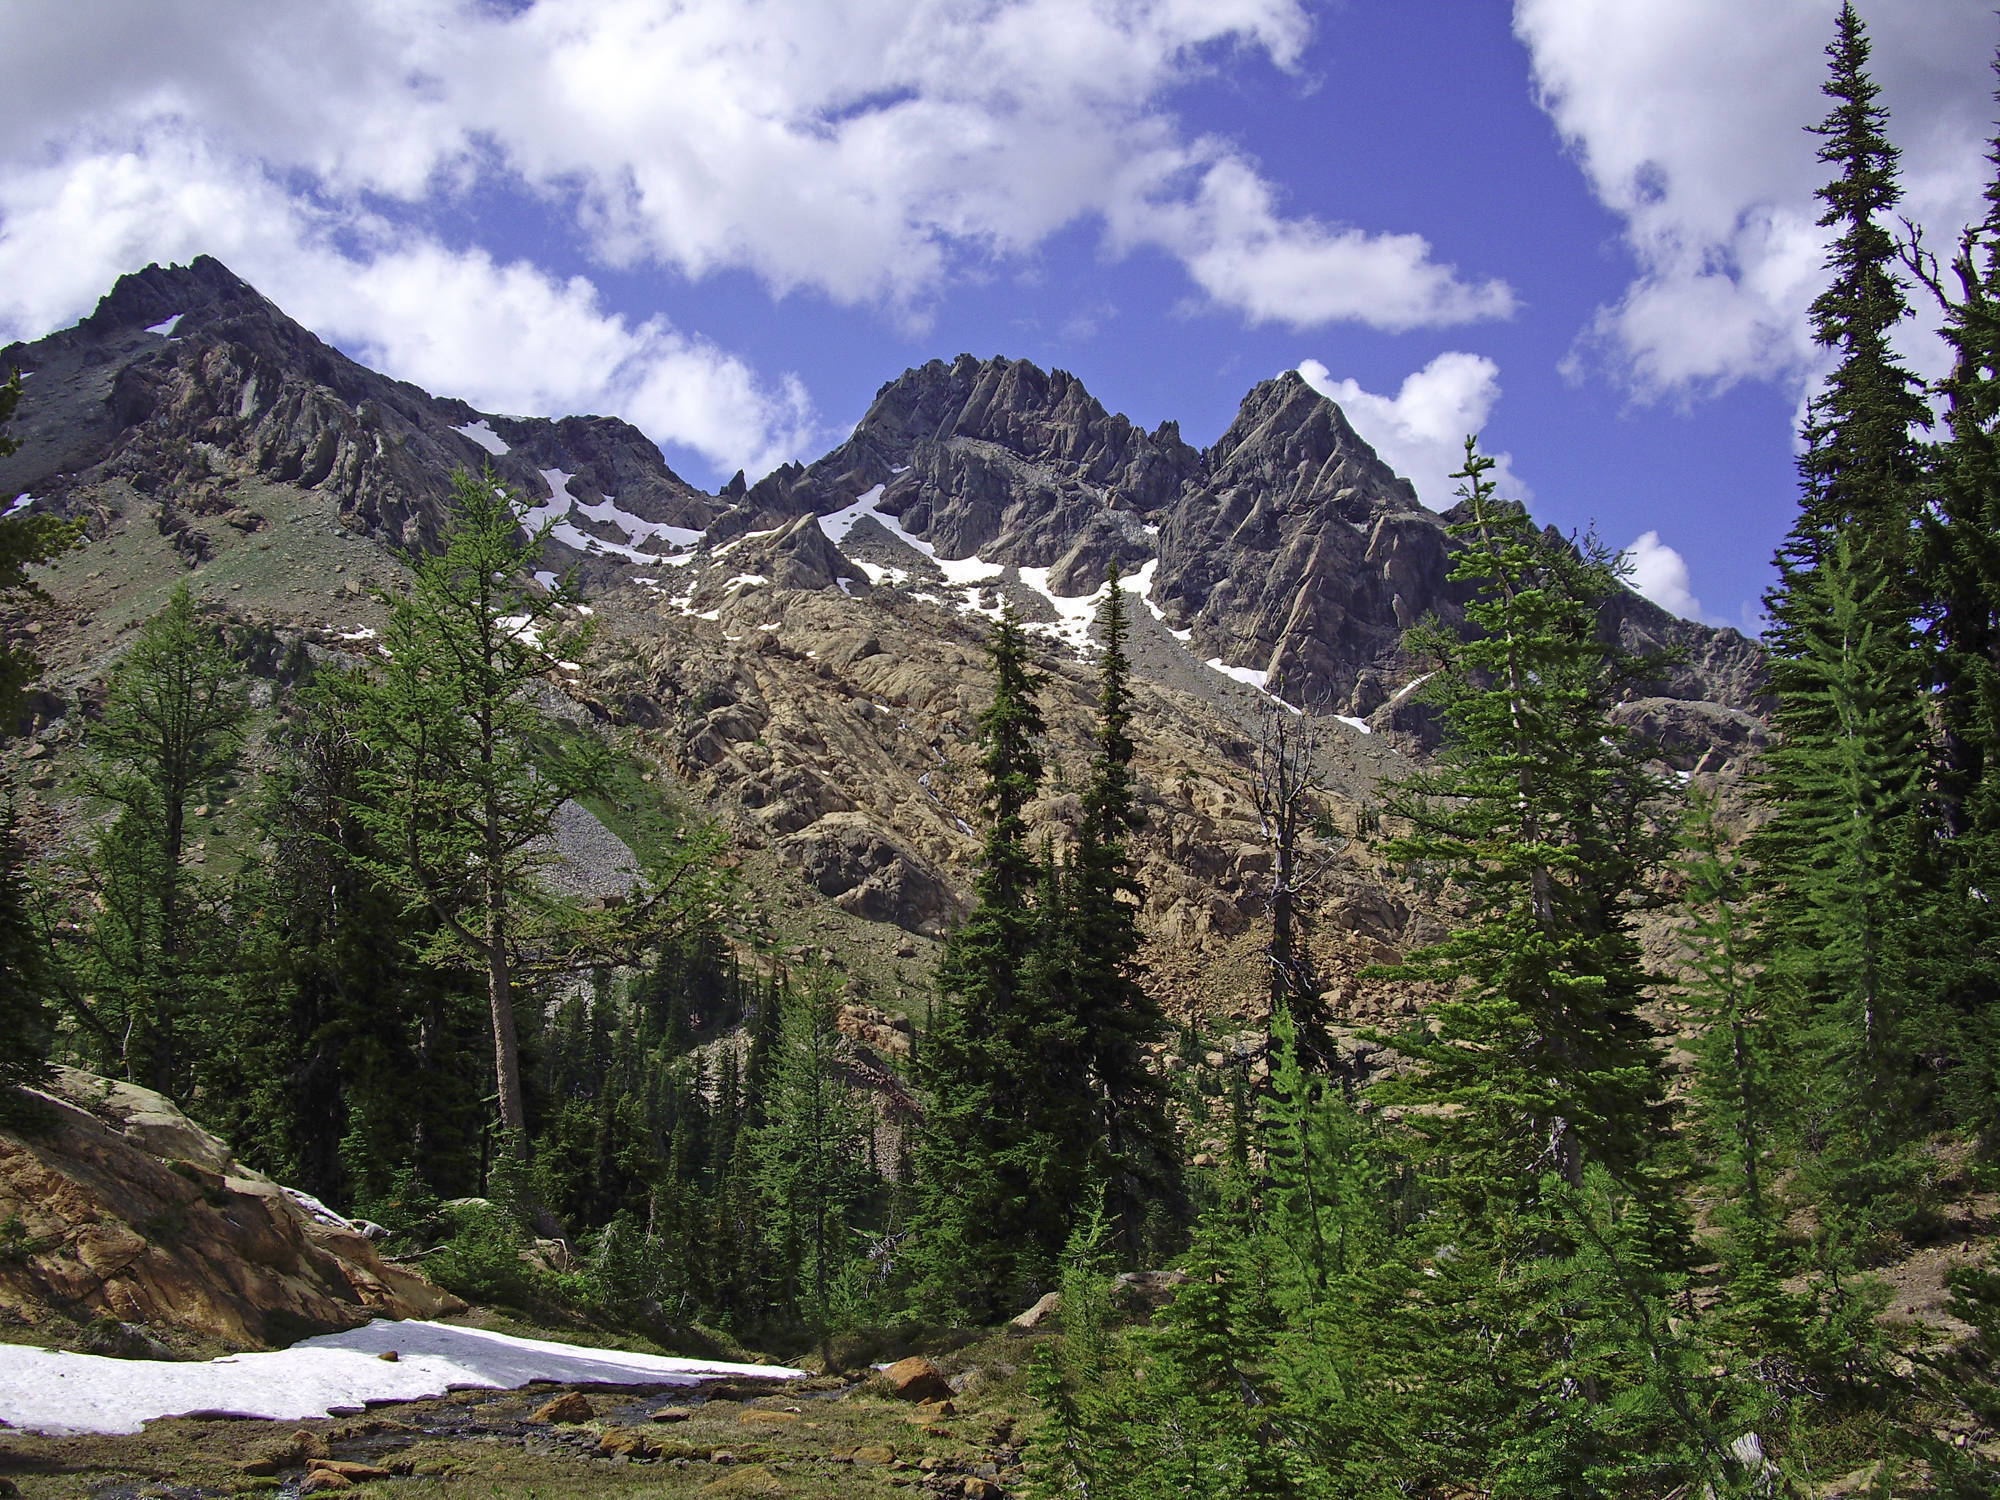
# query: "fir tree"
1845,851
1960,560
1862,466
172,725
1537,813
811,1148
1099,975
1006,1098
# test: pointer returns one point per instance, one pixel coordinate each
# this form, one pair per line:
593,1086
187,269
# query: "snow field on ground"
54,1392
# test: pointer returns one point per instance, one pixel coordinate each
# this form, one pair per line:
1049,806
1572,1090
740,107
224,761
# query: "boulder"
1030,1320
132,1213
916,1379
571,1406
865,871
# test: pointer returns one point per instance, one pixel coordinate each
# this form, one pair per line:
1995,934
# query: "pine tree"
1537,813
1002,1070
172,726
1100,978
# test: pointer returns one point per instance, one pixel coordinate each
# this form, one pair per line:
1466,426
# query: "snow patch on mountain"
485,436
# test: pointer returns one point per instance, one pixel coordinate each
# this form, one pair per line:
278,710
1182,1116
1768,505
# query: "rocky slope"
127,1220
803,654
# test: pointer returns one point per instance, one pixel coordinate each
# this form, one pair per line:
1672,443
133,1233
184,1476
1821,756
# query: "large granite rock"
119,1207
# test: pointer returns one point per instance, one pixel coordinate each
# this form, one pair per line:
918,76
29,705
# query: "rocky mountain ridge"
803,655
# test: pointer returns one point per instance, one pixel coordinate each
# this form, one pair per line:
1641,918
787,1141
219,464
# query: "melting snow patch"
1360,724
358,633
485,436
745,581
957,571
1250,677
840,522
635,528
52,1392
876,572
166,329
1141,583
547,580
21,503
518,627
1073,629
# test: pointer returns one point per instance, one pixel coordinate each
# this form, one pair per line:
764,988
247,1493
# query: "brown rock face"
916,1379
194,1244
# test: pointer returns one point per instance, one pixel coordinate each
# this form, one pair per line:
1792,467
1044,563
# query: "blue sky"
1581,227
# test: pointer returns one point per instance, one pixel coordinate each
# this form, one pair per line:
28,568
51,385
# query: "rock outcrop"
115,1206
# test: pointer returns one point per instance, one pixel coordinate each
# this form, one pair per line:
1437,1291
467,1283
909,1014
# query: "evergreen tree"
1862,465
812,1145
1537,812
1960,562
1099,977
25,540
1006,1096
1733,1120
172,726
1845,851
25,1026
340,1062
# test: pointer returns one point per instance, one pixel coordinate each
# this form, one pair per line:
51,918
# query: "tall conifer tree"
1537,813
1844,851
1100,978
1002,1069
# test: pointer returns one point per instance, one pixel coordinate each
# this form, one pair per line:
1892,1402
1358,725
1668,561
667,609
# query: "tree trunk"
506,1050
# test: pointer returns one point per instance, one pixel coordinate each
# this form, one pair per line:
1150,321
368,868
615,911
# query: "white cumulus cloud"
506,337
866,150
1688,122
1660,574
1420,431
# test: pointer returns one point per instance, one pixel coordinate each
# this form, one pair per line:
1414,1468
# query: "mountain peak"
157,293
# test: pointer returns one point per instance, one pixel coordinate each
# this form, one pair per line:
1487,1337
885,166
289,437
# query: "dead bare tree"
1290,798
